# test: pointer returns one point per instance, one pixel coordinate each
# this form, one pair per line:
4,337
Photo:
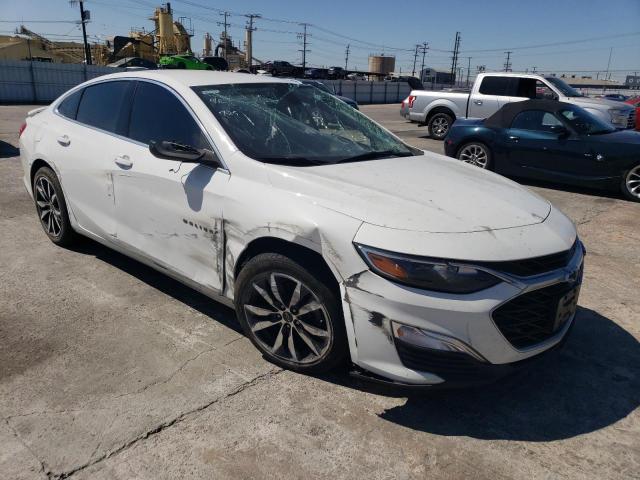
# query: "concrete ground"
111,370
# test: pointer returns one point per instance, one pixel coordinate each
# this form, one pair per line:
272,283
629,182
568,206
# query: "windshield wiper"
375,154
295,160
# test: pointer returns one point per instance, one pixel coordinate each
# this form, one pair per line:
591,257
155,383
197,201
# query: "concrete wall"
371,92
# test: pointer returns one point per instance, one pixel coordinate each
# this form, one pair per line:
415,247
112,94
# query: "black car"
550,140
336,73
218,63
279,67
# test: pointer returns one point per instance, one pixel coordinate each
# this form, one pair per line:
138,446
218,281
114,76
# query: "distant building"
434,75
633,82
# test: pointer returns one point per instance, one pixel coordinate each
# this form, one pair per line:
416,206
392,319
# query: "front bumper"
373,304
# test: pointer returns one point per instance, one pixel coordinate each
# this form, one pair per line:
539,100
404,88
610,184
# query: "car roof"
193,78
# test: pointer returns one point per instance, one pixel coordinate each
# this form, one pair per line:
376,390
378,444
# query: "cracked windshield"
295,124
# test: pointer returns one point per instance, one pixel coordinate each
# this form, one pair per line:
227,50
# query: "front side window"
69,106
561,85
543,91
536,120
157,114
584,123
297,124
105,106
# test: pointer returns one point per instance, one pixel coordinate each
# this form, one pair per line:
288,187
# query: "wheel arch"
439,109
37,165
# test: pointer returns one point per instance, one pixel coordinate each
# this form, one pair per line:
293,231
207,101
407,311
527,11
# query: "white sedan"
336,242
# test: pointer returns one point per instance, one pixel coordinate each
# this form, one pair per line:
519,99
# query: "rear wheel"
631,184
52,207
475,153
439,125
290,315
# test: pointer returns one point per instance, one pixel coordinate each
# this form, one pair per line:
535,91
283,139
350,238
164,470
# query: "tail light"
410,100
22,127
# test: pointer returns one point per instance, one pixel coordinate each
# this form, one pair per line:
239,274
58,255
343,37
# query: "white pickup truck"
491,91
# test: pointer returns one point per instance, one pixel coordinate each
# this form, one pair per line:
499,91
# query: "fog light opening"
435,341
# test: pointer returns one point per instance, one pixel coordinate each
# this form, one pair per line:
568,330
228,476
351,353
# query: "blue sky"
390,27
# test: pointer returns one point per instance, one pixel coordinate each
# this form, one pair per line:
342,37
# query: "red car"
635,101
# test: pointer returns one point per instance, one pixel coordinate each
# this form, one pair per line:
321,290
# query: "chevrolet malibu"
336,242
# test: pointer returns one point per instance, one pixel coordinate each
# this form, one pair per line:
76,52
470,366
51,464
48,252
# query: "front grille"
631,122
530,318
533,266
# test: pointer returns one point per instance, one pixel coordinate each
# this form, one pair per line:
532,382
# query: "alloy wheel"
475,155
287,319
440,126
632,182
48,207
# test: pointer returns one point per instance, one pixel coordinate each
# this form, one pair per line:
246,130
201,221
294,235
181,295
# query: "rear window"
106,106
509,87
69,106
495,86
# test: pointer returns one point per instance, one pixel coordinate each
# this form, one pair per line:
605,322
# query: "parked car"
279,67
315,73
131,63
550,140
356,76
217,63
182,62
330,89
618,97
336,73
361,253
635,102
491,91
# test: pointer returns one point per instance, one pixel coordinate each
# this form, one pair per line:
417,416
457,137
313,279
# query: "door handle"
123,161
478,102
513,138
64,140
588,155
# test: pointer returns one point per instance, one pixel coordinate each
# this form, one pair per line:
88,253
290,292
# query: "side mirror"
559,130
183,153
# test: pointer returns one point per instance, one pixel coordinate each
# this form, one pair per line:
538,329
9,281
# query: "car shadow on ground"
7,150
196,300
593,382
593,192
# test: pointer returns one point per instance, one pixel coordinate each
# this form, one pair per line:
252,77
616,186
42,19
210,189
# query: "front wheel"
631,184
290,315
475,153
439,125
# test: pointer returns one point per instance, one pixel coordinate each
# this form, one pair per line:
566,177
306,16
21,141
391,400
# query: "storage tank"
381,65
164,26
208,45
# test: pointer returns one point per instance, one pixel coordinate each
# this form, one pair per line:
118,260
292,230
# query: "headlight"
439,275
619,116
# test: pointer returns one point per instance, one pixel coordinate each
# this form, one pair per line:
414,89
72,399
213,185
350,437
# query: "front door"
491,95
169,211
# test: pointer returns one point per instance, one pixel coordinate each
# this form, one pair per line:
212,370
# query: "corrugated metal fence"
41,82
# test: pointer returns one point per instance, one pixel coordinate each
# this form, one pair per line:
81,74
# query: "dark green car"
188,62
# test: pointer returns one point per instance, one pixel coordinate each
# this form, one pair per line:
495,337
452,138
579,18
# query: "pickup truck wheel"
439,125
631,184
475,153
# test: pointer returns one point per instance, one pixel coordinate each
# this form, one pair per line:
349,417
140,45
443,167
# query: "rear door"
491,95
167,210
84,140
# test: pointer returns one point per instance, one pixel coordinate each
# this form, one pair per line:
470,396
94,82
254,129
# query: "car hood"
428,193
586,102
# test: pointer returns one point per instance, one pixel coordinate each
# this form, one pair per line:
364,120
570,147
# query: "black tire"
478,162
331,347
439,125
630,184
274,73
181,65
48,197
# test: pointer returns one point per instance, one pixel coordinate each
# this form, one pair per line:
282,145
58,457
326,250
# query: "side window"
523,87
156,114
536,120
69,106
105,106
495,86
544,92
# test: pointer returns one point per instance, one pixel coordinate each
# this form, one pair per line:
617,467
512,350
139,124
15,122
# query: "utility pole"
225,24
304,49
454,59
424,48
249,38
534,69
468,70
85,16
346,57
415,58
507,64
